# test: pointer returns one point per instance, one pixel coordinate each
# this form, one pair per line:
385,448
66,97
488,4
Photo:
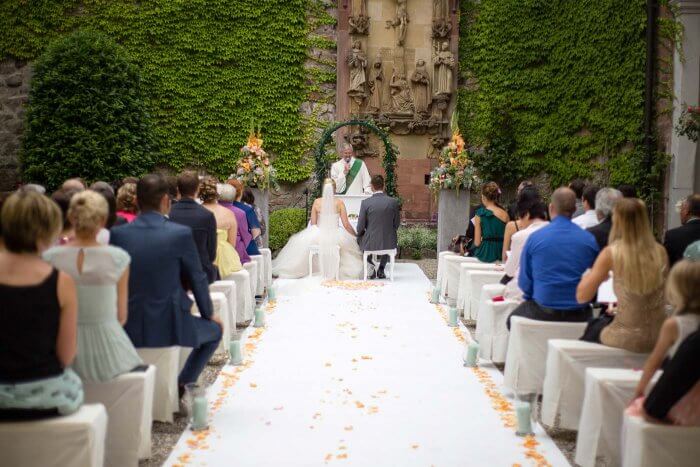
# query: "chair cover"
527,351
165,397
76,440
124,398
245,302
441,275
567,360
260,283
221,310
252,269
267,263
230,291
450,279
463,291
647,444
608,393
491,331
476,279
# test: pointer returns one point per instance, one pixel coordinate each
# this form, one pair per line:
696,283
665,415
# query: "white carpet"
369,377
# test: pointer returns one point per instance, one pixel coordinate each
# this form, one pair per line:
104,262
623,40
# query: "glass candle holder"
435,297
523,412
234,351
271,294
472,354
259,317
452,321
198,406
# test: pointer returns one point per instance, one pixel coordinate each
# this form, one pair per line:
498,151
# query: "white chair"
252,268
230,291
491,331
260,283
165,397
76,440
129,405
563,387
314,250
245,301
527,351
607,395
450,279
647,444
475,280
221,310
392,260
462,292
267,257
441,281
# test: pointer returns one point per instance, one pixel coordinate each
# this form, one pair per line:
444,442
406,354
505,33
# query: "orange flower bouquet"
255,167
455,170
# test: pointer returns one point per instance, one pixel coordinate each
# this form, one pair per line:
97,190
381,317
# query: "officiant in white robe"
350,174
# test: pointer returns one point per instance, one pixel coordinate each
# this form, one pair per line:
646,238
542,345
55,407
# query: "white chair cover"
260,283
647,444
450,279
441,274
230,291
221,310
392,260
567,360
463,291
245,302
74,440
491,331
475,280
527,351
252,269
608,393
267,263
124,397
165,397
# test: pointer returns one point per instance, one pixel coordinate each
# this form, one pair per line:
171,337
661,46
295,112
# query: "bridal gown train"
293,261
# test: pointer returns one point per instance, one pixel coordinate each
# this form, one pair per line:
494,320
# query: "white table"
608,393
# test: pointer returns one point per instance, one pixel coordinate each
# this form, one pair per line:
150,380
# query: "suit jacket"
159,309
379,219
601,232
677,240
203,224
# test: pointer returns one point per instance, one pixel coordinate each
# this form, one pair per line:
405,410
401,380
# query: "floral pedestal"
262,202
453,216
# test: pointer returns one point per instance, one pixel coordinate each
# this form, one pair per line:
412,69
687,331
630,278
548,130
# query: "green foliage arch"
388,163
86,115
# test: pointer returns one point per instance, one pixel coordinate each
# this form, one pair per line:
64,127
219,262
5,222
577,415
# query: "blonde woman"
38,315
639,265
227,259
126,202
101,273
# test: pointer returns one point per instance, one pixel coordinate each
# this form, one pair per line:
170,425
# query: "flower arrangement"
689,123
455,170
254,167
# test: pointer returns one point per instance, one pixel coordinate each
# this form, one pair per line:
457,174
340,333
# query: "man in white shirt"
589,218
350,174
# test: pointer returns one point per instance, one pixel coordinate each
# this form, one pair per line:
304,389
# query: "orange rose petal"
348,428
341,456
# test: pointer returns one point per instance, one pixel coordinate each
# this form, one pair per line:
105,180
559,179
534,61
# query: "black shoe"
381,274
372,276
180,391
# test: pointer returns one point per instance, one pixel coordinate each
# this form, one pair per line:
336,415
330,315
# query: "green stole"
352,173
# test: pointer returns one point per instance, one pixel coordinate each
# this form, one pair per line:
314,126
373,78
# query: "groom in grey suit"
377,225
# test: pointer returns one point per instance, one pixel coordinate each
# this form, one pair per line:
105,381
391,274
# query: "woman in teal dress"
101,274
489,225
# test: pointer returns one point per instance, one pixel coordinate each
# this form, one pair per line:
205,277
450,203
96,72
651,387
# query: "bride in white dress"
324,231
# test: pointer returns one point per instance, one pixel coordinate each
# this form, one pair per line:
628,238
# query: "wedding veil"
328,238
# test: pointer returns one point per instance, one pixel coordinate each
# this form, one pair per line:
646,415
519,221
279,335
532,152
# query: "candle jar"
523,412
234,351
271,294
435,297
453,317
472,355
259,317
197,406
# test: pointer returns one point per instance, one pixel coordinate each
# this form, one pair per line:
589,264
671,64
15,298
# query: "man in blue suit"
162,254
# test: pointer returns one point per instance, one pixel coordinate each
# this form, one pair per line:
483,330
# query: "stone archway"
388,163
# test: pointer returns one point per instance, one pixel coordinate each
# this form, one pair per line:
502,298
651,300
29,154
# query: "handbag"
595,327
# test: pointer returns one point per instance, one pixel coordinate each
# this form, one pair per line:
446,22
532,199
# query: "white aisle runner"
349,374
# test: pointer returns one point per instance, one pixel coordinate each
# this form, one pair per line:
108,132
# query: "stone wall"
14,91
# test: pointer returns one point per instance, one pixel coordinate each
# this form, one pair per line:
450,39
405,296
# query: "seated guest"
162,253
552,263
173,189
532,215
38,316
693,251
188,212
605,200
62,197
101,274
126,202
512,207
682,294
578,186
489,225
107,192
77,184
678,239
227,259
251,217
227,195
249,199
639,266
515,225
628,191
589,218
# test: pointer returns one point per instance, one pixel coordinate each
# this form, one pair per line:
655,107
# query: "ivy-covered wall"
567,76
210,69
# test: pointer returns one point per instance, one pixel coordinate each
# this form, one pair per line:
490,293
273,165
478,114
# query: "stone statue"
357,60
358,20
401,100
376,83
421,89
400,22
444,63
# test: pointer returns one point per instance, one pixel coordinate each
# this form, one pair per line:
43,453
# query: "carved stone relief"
421,90
376,87
357,61
358,20
400,22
